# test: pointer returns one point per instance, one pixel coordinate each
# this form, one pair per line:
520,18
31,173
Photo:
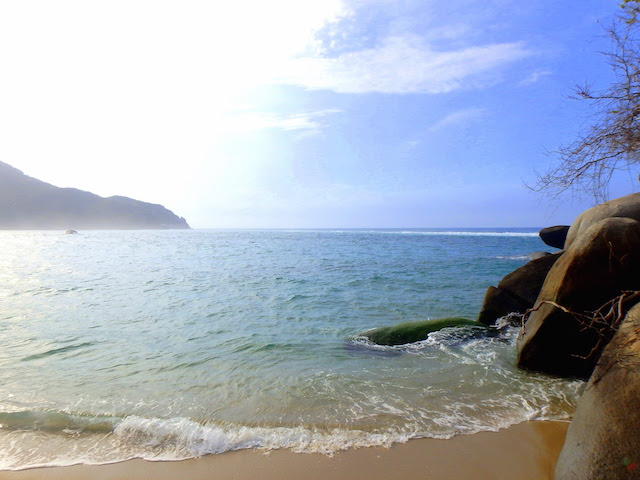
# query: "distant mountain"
28,203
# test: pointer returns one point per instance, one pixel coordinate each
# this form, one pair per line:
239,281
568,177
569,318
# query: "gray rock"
517,291
595,268
498,303
603,441
554,236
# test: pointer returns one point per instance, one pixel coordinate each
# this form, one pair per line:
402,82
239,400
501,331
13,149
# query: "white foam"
473,234
459,233
182,438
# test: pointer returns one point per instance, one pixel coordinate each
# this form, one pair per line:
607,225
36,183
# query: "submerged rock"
628,206
603,441
411,332
537,255
517,291
595,268
359,348
554,236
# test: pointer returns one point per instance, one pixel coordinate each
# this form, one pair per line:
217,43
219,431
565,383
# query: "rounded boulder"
627,206
554,236
597,267
603,440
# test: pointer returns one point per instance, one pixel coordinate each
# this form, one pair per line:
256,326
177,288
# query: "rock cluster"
580,314
603,440
579,321
598,266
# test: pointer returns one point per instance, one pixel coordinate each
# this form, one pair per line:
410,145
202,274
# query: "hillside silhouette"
28,203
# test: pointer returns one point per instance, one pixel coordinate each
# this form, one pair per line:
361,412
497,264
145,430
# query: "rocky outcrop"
603,261
574,327
517,291
628,206
554,236
603,441
28,203
411,332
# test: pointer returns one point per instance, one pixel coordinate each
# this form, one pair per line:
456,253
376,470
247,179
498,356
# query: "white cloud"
457,118
251,121
99,95
534,77
405,64
90,90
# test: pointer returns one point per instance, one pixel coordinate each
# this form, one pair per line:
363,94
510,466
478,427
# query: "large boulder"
554,236
603,441
628,206
595,268
410,332
517,291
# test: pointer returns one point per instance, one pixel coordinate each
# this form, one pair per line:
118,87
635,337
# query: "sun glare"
127,87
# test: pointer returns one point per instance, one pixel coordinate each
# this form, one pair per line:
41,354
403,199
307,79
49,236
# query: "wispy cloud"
309,122
457,118
534,77
406,64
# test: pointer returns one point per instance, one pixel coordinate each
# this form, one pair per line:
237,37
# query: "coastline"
527,451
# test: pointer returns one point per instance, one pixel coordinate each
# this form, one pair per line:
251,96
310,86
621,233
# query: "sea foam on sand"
527,451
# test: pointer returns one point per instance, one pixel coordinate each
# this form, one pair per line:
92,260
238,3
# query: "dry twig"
604,321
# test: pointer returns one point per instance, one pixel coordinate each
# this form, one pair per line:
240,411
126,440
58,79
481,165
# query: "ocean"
176,344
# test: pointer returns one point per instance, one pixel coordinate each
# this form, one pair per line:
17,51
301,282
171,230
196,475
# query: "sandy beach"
522,452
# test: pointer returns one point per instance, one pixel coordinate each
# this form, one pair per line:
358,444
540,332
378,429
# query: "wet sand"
528,451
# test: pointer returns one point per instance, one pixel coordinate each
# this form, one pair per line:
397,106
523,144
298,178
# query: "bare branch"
612,142
604,321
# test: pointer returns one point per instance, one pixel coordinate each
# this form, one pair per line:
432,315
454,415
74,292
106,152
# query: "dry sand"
522,452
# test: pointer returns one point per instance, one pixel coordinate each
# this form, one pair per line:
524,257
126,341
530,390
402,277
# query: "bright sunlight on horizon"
341,113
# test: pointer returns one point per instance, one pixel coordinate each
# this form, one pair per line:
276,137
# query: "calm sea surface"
174,344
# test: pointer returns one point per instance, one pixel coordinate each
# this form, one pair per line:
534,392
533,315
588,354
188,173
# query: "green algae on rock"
410,332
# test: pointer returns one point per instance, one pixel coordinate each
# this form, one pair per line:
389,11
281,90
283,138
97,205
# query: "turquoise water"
174,344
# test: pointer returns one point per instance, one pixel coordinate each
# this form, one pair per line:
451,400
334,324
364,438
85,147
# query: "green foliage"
410,332
631,8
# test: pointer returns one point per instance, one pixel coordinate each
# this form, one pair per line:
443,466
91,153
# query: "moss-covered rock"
410,332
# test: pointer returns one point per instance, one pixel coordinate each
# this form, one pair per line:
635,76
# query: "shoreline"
527,451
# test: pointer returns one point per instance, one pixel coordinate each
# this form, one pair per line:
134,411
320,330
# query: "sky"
305,114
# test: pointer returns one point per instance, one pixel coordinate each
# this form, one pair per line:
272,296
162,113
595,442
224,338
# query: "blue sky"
368,113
